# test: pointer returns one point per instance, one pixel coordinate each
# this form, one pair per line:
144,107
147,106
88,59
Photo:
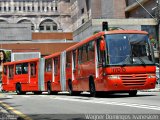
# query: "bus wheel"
49,89
133,93
18,89
92,88
70,88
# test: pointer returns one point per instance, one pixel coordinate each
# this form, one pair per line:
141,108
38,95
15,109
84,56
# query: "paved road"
44,105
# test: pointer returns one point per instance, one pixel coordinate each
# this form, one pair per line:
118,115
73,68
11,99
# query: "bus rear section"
113,61
22,76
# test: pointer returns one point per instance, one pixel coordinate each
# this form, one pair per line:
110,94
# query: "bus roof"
52,55
22,61
126,32
97,35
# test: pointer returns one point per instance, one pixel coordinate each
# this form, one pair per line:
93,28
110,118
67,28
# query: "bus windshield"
129,49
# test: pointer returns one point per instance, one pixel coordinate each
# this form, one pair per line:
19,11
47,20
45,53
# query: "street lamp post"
158,22
158,27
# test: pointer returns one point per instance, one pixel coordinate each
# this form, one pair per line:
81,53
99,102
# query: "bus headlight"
151,76
113,77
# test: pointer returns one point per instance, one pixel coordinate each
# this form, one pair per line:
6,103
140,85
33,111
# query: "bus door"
100,59
10,78
86,64
33,76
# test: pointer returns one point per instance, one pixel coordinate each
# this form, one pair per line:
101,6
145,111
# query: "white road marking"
26,96
9,96
152,107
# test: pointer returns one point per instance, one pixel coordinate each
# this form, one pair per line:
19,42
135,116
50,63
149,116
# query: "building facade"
85,10
126,14
43,15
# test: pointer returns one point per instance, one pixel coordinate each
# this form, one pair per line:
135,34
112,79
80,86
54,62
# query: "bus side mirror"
102,44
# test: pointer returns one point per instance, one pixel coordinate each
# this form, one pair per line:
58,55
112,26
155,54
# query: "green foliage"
8,56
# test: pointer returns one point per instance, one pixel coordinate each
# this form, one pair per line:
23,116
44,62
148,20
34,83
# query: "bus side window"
5,70
85,53
74,59
33,69
68,60
11,71
18,69
25,68
56,65
80,53
91,51
48,65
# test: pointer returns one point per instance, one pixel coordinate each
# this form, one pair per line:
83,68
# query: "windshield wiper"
128,58
143,63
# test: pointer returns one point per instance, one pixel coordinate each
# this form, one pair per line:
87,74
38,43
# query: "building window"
28,8
83,21
48,28
51,8
0,8
32,27
15,8
47,8
43,8
56,8
4,8
41,28
19,8
82,10
24,8
54,27
9,8
38,8
32,8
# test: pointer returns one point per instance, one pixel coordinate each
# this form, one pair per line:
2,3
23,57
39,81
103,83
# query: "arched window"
3,22
25,21
48,25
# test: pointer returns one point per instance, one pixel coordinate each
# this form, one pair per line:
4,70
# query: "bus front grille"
134,79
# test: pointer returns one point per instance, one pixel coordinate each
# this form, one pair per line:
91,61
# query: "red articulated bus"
111,61
23,76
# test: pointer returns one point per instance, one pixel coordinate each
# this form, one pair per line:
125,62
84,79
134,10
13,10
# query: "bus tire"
70,88
18,89
132,93
92,88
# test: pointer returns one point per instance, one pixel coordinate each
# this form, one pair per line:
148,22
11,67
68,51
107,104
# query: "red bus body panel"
131,78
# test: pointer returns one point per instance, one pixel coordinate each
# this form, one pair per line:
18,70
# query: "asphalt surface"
77,107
